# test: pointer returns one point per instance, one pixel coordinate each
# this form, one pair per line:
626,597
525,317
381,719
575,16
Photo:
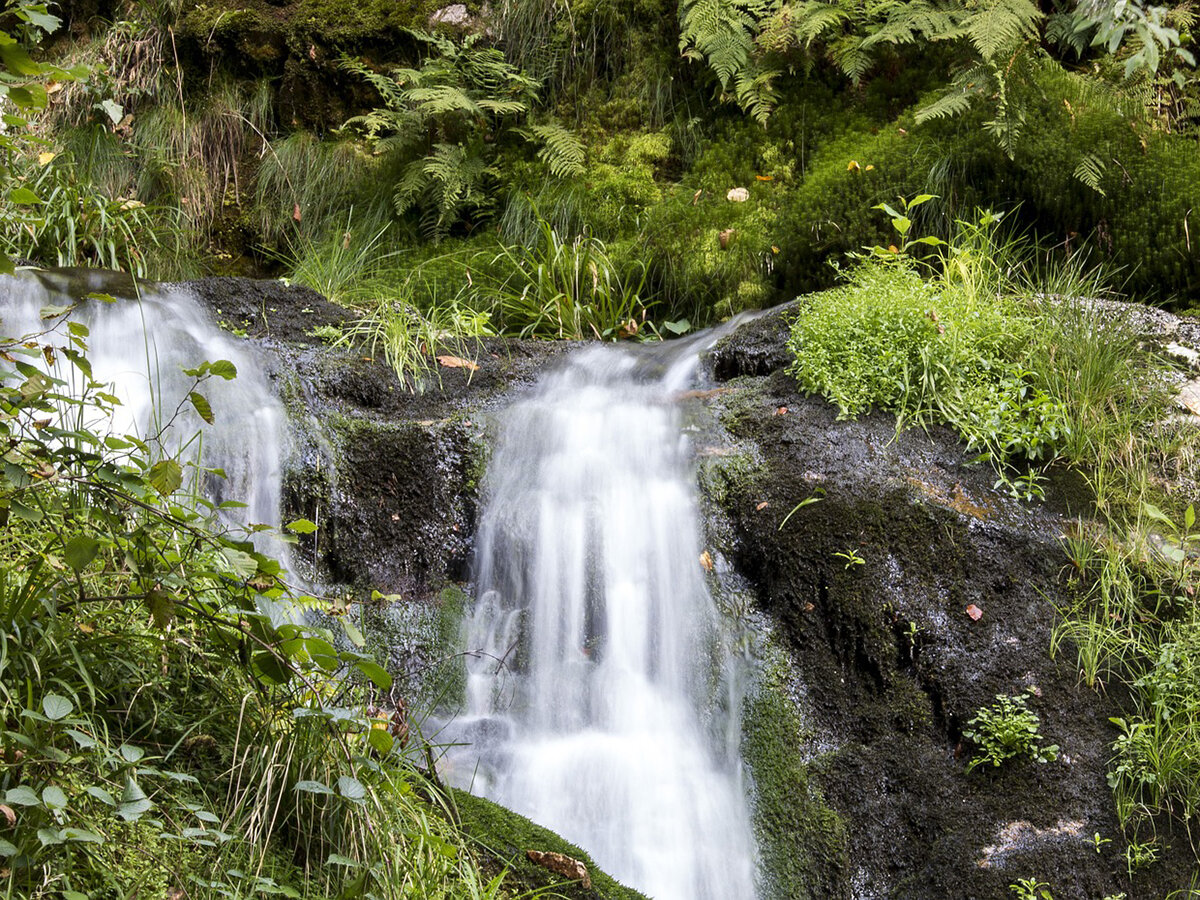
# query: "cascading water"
138,348
602,703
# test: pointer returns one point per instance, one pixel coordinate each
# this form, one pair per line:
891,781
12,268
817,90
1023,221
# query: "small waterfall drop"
603,704
139,348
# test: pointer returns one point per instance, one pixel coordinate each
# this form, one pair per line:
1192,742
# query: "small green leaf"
352,632
336,859
7,849
82,835
84,741
23,196
351,788
79,552
312,787
130,753
113,110
201,405
381,739
377,673
23,795
100,794
53,797
223,368
56,707
682,326
301,526
49,836
166,476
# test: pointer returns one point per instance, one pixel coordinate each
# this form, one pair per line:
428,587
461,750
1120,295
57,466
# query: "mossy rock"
504,837
801,841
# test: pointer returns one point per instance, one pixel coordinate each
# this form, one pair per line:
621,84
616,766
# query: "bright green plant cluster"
160,727
1007,730
929,351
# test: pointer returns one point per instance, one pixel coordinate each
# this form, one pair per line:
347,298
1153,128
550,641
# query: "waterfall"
138,346
602,703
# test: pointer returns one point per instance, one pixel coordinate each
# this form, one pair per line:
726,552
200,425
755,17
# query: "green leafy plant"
565,287
161,728
1031,889
446,118
1007,730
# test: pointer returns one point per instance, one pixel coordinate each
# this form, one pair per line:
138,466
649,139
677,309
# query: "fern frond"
441,99
812,20
1090,172
562,150
722,31
853,59
998,24
957,98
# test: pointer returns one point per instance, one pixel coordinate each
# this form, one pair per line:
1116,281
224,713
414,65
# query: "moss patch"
504,836
801,841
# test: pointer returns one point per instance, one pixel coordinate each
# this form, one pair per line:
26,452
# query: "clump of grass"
307,189
565,287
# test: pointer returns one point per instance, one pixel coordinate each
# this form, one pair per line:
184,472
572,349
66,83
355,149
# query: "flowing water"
602,702
138,349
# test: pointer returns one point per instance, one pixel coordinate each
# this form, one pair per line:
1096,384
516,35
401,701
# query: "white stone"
737,195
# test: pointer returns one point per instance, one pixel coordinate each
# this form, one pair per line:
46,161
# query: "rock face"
909,596
389,474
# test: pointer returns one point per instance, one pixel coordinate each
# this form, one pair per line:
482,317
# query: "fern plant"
447,119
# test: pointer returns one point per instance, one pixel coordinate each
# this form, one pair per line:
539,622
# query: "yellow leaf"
869,168
44,159
853,166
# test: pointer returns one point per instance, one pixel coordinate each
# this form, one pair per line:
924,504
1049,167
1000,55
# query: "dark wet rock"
268,309
388,470
756,348
892,667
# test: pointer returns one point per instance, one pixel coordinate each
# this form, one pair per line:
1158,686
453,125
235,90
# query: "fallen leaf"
44,159
852,165
764,177
781,411
296,211
809,607
8,815
696,197
457,362
762,506
725,237
974,612
706,560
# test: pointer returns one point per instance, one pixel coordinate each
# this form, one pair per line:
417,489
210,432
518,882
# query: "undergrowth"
162,731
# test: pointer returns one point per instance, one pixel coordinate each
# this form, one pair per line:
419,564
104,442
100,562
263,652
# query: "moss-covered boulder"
908,596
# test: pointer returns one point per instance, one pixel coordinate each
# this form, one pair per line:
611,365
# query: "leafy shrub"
927,351
1006,730
161,729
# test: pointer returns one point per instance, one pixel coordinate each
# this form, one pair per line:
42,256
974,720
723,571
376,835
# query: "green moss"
505,836
801,841
253,23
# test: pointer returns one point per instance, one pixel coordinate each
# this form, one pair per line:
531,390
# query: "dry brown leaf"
296,211
457,362
762,506
9,815
706,560
781,411
974,612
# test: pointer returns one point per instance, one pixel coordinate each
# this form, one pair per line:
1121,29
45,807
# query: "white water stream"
138,349
603,703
